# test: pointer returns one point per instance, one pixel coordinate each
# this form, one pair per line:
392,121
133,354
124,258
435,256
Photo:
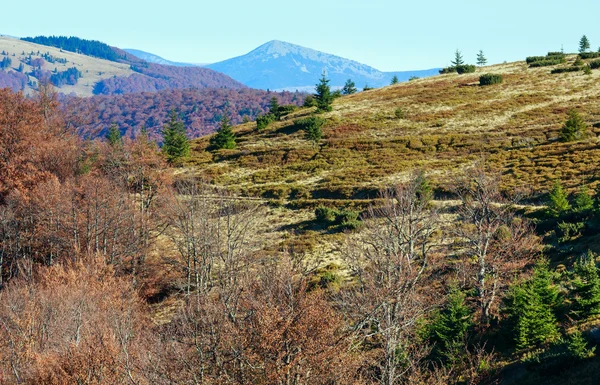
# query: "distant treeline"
74,44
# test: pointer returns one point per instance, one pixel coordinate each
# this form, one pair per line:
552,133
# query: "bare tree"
495,243
390,264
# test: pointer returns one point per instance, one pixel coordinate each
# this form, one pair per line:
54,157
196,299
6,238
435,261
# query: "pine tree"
530,307
274,108
586,287
458,59
349,88
578,347
481,59
449,327
583,200
114,136
559,203
176,145
323,97
574,127
224,138
584,44
394,80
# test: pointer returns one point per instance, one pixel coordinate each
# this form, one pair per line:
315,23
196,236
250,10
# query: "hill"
279,65
441,124
200,109
110,71
152,58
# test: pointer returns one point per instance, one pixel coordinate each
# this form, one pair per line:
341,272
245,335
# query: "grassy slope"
449,123
90,67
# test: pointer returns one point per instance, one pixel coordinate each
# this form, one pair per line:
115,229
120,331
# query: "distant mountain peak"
279,65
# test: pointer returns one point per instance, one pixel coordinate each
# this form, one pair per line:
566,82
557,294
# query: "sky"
390,35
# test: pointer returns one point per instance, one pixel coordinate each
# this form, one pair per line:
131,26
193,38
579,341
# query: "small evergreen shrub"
587,70
567,231
312,126
489,79
399,113
263,121
594,64
589,55
341,219
466,68
325,215
547,63
565,70
448,70
574,128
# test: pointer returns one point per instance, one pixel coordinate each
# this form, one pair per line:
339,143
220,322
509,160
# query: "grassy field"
92,69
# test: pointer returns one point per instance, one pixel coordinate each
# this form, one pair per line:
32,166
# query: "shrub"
574,127
263,121
578,62
587,70
325,215
594,64
489,79
566,69
466,68
309,101
568,230
399,113
448,70
312,126
547,63
589,55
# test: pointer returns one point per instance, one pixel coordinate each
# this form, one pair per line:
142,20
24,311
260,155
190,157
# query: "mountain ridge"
279,65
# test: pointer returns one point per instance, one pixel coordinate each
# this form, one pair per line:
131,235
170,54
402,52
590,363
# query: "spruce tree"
114,137
274,108
394,80
574,127
584,44
586,287
176,145
224,138
481,59
449,327
583,200
578,347
349,88
530,306
323,97
559,204
458,59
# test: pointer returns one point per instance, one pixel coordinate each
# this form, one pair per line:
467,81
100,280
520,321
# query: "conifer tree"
586,287
176,145
323,97
481,59
578,347
114,137
349,88
449,327
583,200
274,108
394,80
224,138
584,44
530,306
574,127
458,59
559,203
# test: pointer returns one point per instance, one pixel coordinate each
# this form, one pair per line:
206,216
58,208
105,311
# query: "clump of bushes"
460,69
553,58
566,69
312,126
589,55
466,68
489,79
594,64
263,121
341,219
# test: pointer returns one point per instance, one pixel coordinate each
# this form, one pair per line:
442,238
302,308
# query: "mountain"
85,67
278,65
152,58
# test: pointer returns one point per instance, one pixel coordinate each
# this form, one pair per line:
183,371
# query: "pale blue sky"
386,34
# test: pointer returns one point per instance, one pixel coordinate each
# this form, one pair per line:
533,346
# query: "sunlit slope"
441,124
